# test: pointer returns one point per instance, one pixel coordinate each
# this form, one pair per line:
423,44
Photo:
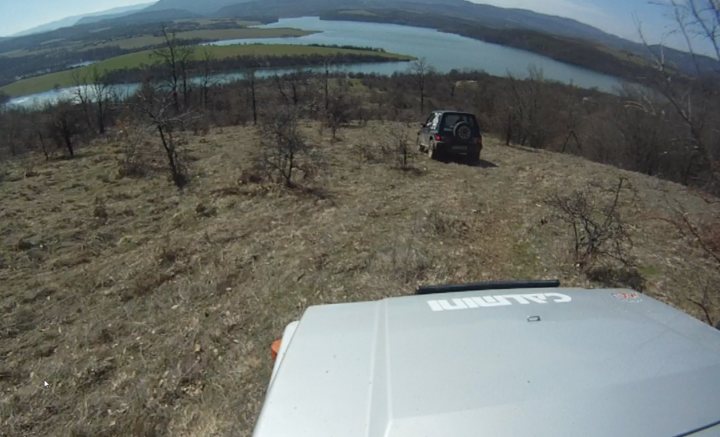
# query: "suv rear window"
450,120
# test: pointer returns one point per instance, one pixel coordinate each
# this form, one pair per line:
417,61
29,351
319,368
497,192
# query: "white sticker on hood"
467,303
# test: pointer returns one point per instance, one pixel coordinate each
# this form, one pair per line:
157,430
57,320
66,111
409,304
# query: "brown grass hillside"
130,308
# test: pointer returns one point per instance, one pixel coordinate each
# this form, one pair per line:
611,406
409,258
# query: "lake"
444,51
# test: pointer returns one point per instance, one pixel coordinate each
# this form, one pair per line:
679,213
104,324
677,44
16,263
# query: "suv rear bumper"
463,149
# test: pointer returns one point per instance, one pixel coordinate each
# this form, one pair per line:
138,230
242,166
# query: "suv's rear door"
451,119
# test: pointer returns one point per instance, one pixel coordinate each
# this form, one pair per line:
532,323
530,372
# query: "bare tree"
289,86
82,94
208,60
698,22
251,82
704,232
326,84
158,108
13,127
646,130
43,144
176,58
530,120
102,95
573,121
419,70
694,99
339,108
64,125
94,93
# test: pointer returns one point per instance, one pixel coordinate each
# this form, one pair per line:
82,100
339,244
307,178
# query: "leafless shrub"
708,302
370,152
100,211
64,125
284,150
255,174
132,138
20,130
397,146
160,110
598,230
442,225
338,111
625,276
705,233
200,126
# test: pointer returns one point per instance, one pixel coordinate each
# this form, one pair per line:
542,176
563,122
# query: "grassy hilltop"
132,308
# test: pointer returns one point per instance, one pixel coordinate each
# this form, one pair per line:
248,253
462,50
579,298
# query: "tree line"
639,129
666,128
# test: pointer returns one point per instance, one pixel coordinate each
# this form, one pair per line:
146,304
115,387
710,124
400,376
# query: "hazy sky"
614,16
18,15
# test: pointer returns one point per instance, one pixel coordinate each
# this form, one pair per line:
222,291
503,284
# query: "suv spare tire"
462,131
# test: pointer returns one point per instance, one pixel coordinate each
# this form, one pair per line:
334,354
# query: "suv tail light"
438,137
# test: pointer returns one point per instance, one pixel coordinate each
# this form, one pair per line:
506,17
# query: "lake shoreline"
443,50
578,53
239,58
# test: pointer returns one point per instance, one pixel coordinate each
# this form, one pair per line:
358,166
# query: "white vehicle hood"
544,362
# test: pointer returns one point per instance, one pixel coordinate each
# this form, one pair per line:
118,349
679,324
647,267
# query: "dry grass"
129,308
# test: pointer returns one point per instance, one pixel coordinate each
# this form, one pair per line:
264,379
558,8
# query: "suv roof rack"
486,285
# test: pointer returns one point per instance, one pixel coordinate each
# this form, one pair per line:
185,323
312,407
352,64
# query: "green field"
145,58
146,41
358,12
208,34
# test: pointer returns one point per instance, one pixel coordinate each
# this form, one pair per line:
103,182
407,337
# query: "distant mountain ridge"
150,16
84,18
560,38
206,7
114,14
489,16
